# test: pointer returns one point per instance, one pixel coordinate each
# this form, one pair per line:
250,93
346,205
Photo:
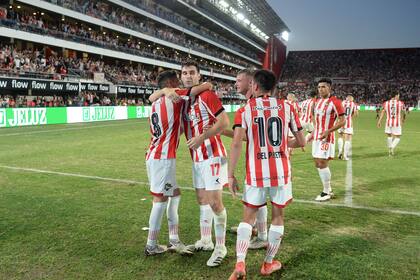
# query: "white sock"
389,142
242,241
275,235
206,221
395,142
340,146
262,223
325,175
173,218
220,227
155,221
347,145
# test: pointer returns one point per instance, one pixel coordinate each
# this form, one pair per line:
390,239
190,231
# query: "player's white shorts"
256,197
162,176
210,174
395,130
347,130
307,126
323,149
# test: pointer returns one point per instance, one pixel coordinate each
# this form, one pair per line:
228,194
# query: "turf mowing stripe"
65,129
383,210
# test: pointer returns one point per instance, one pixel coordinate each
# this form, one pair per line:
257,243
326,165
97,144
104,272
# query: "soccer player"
345,133
243,86
209,161
165,126
378,111
307,107
395,117
265,122
165,122
291,98
329,116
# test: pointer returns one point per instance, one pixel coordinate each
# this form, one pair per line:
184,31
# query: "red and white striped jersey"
349,109
307,107
326,111
165,125
393,110
201,112
295,106
267,121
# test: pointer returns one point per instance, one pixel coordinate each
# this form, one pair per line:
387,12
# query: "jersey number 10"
273,127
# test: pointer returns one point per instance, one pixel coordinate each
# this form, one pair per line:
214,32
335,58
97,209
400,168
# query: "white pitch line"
63,129
405,132
348,197
383,210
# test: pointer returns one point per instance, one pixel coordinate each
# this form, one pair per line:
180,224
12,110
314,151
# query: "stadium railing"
70,37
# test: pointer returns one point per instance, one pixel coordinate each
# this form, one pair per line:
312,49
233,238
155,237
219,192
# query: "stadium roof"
262,15
259,13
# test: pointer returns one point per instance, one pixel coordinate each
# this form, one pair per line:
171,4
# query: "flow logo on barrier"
3,118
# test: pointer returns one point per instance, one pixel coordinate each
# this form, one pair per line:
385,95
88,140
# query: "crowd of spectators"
363,93
118,15
85,99
371,65
370,75
79,33
36,63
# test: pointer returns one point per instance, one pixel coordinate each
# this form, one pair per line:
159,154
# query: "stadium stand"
370,75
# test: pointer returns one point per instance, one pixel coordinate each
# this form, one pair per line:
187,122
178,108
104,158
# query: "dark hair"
265,79
166,76
325,80
247,71
191,63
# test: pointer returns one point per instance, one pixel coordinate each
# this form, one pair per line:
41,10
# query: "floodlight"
240,16
224,4
285,35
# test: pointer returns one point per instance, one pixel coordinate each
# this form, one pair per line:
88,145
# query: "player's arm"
299,111
296,128
228,133
298,141
356,111
339,123
235,154
200,88
172,95
380,118
221,124
403,116
168,92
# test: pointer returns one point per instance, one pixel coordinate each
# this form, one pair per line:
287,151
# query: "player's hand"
195,142
324,135
309,138
233,186
210,85
171,94
378,125
207,127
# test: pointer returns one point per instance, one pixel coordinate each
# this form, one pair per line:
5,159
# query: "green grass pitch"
63,226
